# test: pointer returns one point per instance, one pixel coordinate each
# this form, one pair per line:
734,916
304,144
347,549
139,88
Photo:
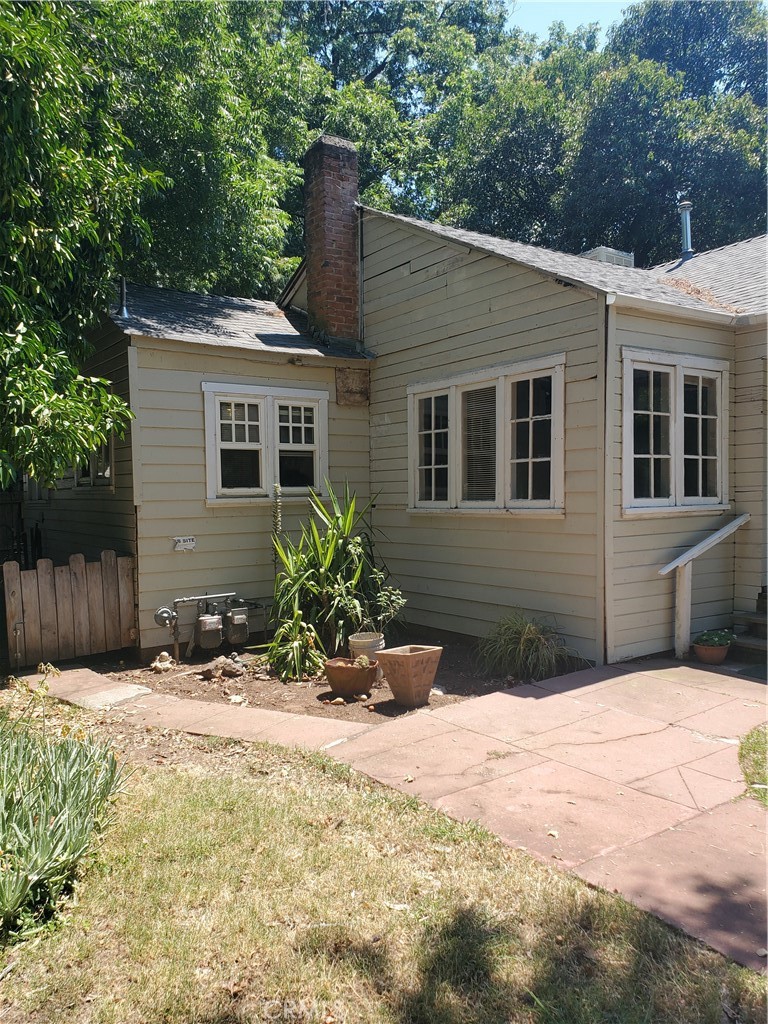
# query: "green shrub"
331,576
715,638
525,648
54,798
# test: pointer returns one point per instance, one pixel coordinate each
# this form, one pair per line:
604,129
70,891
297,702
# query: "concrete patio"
626,775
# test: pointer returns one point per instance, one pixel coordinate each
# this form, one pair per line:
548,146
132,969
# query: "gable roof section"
221,321
643,286
734,275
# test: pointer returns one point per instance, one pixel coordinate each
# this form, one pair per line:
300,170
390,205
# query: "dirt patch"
458,678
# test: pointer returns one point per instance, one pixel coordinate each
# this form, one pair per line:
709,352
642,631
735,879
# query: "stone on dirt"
222,666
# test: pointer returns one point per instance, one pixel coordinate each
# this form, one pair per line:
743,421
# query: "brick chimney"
331,238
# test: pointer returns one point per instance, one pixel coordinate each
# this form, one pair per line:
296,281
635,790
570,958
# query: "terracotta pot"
711,655
410,672
346,679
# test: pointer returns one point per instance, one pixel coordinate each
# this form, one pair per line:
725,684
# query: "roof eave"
752,319
294,282
672,309
281,354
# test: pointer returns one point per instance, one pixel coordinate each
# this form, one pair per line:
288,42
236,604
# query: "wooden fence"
55,614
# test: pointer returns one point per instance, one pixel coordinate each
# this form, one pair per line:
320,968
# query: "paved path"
626,775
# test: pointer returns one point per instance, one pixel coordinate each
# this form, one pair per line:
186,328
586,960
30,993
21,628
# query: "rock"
338,700
362,696
437,691
222,666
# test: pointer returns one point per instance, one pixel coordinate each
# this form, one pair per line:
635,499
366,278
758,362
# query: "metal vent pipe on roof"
123,298
684,209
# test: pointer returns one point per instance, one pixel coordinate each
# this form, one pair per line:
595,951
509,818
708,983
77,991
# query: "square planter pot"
410,672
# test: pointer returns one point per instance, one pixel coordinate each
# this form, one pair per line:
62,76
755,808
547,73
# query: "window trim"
677,364
92,480
502,376
267,398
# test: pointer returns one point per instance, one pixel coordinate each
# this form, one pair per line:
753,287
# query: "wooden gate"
55,614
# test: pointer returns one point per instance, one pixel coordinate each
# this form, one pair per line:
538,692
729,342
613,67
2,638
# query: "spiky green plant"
295,651
55,796
526,648
331,575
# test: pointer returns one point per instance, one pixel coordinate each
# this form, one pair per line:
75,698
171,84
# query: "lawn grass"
753,759
289,888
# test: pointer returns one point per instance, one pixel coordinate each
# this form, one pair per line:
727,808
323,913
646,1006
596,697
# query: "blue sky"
537,15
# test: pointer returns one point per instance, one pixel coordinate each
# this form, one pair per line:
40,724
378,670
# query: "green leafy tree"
412,46
719,47
641,145
188,78
67,193
503,162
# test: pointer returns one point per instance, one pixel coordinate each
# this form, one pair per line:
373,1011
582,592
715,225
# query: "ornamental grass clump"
525,648
55,797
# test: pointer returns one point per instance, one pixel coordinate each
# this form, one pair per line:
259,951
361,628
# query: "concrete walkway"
626,775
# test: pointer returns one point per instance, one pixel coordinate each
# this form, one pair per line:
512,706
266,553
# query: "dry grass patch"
288,888
753,759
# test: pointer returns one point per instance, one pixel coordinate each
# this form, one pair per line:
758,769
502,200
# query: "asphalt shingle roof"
736,275
653,284
221,321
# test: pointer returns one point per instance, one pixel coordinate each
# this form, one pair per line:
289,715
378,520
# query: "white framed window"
492,439
258,437
675,418
96,471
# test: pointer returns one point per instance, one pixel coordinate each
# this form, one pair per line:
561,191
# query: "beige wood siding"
233,541
89,520
436,310
640,603
749,464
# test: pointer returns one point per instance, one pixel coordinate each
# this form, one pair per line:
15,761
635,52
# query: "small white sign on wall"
184,543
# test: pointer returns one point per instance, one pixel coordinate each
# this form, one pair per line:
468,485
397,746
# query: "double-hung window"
259,437
674,426
489,440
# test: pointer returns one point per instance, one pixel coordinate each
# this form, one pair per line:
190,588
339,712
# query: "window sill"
518,513
672,510
264,500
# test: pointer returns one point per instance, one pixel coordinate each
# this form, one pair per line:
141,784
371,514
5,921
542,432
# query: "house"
539,429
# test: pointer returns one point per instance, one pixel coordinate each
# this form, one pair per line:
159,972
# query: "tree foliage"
717,47
187,105
67,194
